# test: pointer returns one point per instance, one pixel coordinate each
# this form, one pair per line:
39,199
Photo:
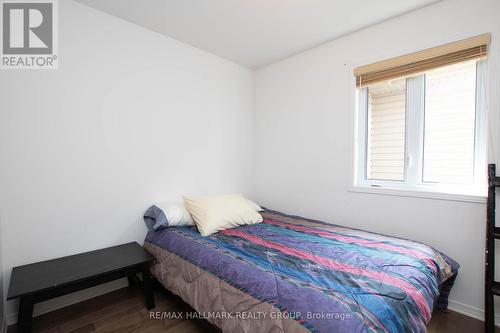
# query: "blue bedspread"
334,279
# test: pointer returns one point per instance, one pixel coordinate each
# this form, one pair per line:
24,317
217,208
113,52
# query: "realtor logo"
28,34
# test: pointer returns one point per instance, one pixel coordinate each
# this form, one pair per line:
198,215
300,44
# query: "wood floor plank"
98,313
84,329
80,314
123,311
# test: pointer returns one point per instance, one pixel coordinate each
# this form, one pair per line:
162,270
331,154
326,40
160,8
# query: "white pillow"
214,213
176,213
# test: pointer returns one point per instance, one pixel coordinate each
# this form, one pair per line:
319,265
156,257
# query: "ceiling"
255,33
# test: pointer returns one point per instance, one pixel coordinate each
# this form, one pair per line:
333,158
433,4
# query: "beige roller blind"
418,62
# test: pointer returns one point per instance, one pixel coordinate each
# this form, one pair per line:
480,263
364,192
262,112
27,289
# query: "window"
449,127
422,129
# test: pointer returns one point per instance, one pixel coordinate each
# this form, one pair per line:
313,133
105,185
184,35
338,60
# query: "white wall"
305,136
129,118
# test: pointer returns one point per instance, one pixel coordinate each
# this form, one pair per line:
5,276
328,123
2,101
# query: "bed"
291,274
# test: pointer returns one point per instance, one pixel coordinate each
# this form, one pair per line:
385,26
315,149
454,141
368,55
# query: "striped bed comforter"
325,278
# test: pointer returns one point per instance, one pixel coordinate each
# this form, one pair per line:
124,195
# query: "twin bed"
291,274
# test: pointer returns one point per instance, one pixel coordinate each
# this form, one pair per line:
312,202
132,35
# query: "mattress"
291,274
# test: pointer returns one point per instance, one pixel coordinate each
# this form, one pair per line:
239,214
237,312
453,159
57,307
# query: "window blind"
416,63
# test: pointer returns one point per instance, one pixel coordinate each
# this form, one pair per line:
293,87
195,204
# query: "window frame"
413,184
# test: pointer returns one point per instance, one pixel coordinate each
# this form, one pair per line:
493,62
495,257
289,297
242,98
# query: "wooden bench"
48,279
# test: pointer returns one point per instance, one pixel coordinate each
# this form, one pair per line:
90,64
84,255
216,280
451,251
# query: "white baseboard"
60,302
470,311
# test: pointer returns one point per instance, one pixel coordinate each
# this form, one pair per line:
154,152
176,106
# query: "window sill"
414,193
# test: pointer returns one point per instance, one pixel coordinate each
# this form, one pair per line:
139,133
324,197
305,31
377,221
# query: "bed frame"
492,287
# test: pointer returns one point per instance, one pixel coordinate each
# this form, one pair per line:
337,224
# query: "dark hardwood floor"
124,311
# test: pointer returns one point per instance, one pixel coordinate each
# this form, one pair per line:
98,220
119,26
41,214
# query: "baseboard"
470,311
73,298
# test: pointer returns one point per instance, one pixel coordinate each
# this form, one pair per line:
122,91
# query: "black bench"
48,279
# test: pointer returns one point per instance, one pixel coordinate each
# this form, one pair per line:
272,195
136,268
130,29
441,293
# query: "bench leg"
25,315
131,281
147,287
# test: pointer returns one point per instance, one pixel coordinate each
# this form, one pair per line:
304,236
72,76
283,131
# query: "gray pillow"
155,219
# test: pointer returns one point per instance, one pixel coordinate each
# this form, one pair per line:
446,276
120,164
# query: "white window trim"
414,193
414,187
